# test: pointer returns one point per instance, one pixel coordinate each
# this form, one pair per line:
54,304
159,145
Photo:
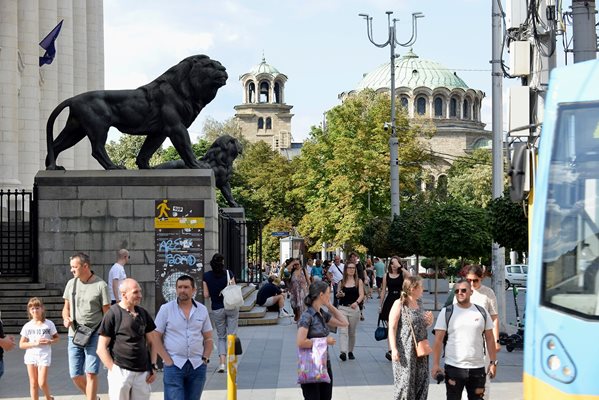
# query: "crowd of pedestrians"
325,296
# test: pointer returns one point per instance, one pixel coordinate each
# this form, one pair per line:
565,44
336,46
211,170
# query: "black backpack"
449,313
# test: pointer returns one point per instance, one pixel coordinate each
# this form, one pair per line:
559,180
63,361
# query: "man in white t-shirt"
117,275
470,335
337,270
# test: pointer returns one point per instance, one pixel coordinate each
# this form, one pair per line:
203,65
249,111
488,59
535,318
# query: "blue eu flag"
48,44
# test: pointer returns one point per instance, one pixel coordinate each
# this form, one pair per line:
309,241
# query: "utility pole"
498,259
583,30
393,142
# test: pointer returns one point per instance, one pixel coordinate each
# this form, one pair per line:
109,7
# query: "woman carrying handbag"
314,323
407,331
225,321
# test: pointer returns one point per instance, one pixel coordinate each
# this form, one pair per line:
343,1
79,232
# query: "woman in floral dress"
410,372
298,288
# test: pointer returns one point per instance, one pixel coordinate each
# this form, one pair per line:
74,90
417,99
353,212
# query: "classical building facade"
263,115
427,89
30,92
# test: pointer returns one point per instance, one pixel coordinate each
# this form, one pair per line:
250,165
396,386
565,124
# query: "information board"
179,245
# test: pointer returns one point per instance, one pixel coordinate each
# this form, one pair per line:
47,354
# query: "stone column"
29,92
82,151
64,63
95,57
48,18
9,82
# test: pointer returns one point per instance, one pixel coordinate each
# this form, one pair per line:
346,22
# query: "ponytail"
314,291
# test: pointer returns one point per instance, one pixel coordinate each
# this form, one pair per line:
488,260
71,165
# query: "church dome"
264,68
412,71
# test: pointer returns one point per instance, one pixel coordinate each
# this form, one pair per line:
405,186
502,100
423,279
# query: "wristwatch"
206,360
493,362
155,367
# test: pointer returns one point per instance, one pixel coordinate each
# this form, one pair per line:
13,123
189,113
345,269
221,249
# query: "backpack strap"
484,313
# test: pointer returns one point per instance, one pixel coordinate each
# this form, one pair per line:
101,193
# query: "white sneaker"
221,368
283,313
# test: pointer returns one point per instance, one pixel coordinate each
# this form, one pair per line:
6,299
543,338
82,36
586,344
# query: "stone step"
48,300
21,285
43,293
256,312
249,302
247,289
269,318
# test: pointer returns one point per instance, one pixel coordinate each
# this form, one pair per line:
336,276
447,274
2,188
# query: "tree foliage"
212,129
471,179
125,151
455,230
406,234
342,175
375,236
509,224
271,244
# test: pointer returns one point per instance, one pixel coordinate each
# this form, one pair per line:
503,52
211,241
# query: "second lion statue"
162,109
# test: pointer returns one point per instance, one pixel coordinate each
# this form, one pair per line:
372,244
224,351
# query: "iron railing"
240,242
18,234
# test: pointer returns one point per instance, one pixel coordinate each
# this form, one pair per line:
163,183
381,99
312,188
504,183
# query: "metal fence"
240,242
18,234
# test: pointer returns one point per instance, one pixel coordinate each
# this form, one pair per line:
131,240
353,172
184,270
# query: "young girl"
36,337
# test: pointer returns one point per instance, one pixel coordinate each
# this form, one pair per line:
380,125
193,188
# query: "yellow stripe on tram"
536,389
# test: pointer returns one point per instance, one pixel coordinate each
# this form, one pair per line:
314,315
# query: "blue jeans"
184,383
1,368
83,360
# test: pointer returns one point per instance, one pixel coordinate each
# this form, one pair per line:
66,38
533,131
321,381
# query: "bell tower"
264,114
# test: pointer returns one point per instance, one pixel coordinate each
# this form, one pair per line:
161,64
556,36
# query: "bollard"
233,350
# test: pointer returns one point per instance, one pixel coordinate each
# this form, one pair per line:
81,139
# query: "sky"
321,45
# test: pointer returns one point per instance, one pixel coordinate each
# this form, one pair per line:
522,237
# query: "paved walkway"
267,369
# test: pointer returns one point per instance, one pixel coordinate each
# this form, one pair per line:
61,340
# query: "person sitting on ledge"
271,296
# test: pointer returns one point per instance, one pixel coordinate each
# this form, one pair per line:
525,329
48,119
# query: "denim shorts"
83,360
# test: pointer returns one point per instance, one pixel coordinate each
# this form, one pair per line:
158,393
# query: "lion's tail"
50,159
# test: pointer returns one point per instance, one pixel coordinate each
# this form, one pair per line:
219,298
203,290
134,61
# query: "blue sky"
321,45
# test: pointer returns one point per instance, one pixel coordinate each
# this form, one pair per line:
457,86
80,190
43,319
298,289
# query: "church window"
442,186
268,123
421,106
466,111
430,183
260,123
264,92
475,111
453,107
438,107
404,102
278,99
251,92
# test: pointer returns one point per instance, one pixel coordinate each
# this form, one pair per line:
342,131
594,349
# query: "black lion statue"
164,108
219,158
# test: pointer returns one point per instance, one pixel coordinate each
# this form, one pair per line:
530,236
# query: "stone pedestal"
100,212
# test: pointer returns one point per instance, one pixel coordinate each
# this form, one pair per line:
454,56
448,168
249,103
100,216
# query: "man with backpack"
469,331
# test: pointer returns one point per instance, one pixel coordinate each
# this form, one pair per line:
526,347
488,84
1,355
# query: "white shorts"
39,358
270,301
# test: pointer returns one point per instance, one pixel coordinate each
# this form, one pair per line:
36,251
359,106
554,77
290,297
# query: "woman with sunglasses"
350,293
408,323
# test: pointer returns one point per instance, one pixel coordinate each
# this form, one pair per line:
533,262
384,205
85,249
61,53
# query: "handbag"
232,296
423,347
312,363
83,334
381,332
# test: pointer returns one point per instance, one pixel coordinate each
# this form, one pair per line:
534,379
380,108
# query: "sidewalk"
267,368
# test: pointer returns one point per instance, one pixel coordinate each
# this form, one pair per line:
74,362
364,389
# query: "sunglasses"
473,280
463,290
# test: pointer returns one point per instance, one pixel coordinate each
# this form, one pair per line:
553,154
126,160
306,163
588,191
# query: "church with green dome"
427,89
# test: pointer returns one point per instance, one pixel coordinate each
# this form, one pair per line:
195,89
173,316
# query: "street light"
393,142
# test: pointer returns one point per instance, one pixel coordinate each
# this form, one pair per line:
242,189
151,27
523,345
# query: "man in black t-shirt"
269,295
126,335
7,343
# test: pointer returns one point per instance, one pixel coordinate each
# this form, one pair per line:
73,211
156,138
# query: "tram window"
571,239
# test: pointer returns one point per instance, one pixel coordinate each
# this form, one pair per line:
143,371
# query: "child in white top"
36,337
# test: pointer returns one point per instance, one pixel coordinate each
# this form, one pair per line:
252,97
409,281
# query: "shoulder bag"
381,332
423,347
232,296
83,334
312,363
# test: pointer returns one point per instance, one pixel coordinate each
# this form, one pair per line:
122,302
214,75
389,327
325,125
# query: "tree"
375,236
261,183
343,172
270,244
509,224
212,129
471,179
199,149
406,234
125,151
455,230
